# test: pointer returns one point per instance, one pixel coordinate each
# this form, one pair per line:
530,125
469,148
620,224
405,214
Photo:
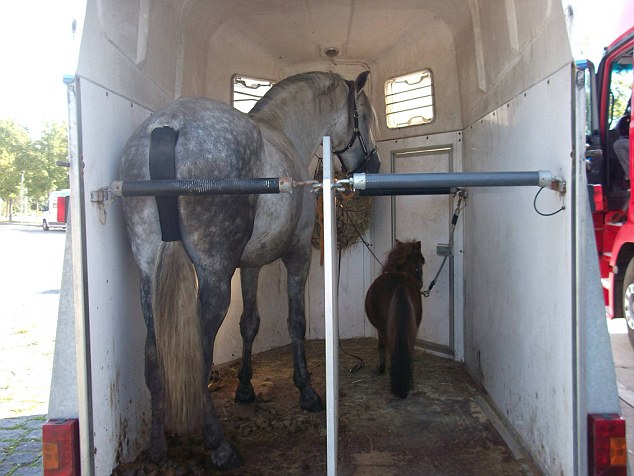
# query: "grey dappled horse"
186,285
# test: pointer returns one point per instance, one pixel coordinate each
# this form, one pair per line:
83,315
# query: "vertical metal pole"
579,274
332,319
80,283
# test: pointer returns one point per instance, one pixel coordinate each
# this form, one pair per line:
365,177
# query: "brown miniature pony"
394,307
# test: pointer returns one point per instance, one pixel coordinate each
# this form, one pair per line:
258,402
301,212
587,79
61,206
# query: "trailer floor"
440,429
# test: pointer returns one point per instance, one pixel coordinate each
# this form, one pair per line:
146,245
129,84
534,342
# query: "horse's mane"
316,80
400,255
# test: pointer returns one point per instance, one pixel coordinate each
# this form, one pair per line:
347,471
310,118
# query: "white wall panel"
139,65
117,332
354,279
518,296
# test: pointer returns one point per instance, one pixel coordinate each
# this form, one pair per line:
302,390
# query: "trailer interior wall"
518,304
499,69
518,297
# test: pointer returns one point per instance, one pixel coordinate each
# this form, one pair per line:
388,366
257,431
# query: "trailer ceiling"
296,31
481,52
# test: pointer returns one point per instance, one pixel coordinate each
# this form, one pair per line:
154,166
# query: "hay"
378,432
353,216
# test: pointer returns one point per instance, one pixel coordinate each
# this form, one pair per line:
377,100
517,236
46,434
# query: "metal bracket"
558,185
314,185
100,196
443,249
341,185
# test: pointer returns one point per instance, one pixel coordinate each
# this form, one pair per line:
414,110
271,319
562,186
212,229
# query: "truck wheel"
44,225
628,300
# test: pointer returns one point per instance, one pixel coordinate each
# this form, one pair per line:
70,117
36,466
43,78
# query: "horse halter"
371,161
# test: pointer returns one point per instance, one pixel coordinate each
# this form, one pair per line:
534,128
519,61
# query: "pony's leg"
380,366
249,326
214,302
157,449
297,271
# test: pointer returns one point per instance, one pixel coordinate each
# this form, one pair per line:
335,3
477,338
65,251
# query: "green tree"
14,147
620,94
41,174
32,163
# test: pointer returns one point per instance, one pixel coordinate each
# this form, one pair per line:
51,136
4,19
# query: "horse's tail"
401,336
178,337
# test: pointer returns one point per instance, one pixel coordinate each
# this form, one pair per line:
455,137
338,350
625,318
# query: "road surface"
30,277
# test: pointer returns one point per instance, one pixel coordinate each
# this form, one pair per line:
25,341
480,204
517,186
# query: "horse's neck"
301,118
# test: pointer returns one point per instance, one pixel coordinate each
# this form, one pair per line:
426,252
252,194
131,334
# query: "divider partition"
386,184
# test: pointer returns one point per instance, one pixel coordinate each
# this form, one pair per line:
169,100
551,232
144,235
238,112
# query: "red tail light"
60,447
607,449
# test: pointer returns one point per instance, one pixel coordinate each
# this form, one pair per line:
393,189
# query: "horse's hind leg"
214,302
157,449
297,271
249,326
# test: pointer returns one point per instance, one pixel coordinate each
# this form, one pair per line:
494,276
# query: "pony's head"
353,143
406,257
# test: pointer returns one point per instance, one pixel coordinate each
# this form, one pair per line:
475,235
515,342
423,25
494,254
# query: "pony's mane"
316,80
400,255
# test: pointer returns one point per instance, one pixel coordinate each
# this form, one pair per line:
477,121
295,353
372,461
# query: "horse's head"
406,257
417,261
353,143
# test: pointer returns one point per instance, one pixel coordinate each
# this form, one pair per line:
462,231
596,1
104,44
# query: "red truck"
610,167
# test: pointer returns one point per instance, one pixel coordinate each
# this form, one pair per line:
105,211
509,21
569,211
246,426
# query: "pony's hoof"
226,457
157,450
244,393
309,400
400,394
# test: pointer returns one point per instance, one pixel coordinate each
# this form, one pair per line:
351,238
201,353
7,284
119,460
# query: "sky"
38,49
598,23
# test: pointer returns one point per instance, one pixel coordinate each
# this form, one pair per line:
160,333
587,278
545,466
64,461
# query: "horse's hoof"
310,400
226,457
244,393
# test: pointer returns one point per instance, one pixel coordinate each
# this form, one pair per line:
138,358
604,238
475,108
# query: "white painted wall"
130,48
120,400
518,296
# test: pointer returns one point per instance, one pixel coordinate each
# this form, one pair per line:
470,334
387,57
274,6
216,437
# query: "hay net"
353,214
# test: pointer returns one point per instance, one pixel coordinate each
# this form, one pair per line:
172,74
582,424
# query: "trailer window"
409,100
247,91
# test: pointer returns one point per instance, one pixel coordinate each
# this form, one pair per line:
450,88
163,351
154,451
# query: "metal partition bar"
157,188
381,192
409,184
331,316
